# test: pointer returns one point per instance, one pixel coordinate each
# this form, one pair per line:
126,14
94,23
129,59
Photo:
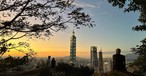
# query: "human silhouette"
46,71
49,62
119,61
53,64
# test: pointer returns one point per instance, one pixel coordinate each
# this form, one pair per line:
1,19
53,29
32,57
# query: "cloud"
86,5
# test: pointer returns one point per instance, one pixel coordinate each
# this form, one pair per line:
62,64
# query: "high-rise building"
107,64
73,48
100,62
94,59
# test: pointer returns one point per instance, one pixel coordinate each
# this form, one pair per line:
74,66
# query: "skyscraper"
73,48
100,62
94,60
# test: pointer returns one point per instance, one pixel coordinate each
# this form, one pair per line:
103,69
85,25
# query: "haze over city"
113,30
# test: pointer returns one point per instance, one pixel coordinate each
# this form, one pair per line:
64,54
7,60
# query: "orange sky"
57,46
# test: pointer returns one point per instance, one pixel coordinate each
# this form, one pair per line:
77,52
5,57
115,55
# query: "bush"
71,70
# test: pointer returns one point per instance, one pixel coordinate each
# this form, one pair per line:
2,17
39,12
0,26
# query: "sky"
113,30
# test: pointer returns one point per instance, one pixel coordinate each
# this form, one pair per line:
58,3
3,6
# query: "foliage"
12,62
41,64
71,70
38,18
7,47
45,71
50,14
133,5
139,65
140,62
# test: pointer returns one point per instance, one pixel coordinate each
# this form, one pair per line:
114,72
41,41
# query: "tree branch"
20,36
14,38
20,12
9,23
9,38
9,7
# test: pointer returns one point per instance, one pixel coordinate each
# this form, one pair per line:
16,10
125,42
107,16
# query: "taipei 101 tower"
73,48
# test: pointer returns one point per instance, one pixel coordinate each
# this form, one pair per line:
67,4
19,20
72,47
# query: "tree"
140,62
140,6
37,18
133,5
13,63
136,5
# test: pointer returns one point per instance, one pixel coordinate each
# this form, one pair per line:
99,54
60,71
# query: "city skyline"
113,30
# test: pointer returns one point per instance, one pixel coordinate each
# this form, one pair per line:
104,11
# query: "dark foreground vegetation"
12,63
114,73
62,69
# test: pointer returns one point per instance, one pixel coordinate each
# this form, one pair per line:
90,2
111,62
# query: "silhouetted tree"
12,62
133,5
140,62
6,47
38,18
140,6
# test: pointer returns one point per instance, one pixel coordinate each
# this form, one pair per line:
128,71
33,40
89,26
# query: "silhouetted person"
53,64
46,71
49,62
119,61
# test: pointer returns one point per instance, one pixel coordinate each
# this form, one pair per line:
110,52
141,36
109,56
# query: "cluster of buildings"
97,62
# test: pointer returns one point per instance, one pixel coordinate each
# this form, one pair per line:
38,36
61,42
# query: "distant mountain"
131,56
